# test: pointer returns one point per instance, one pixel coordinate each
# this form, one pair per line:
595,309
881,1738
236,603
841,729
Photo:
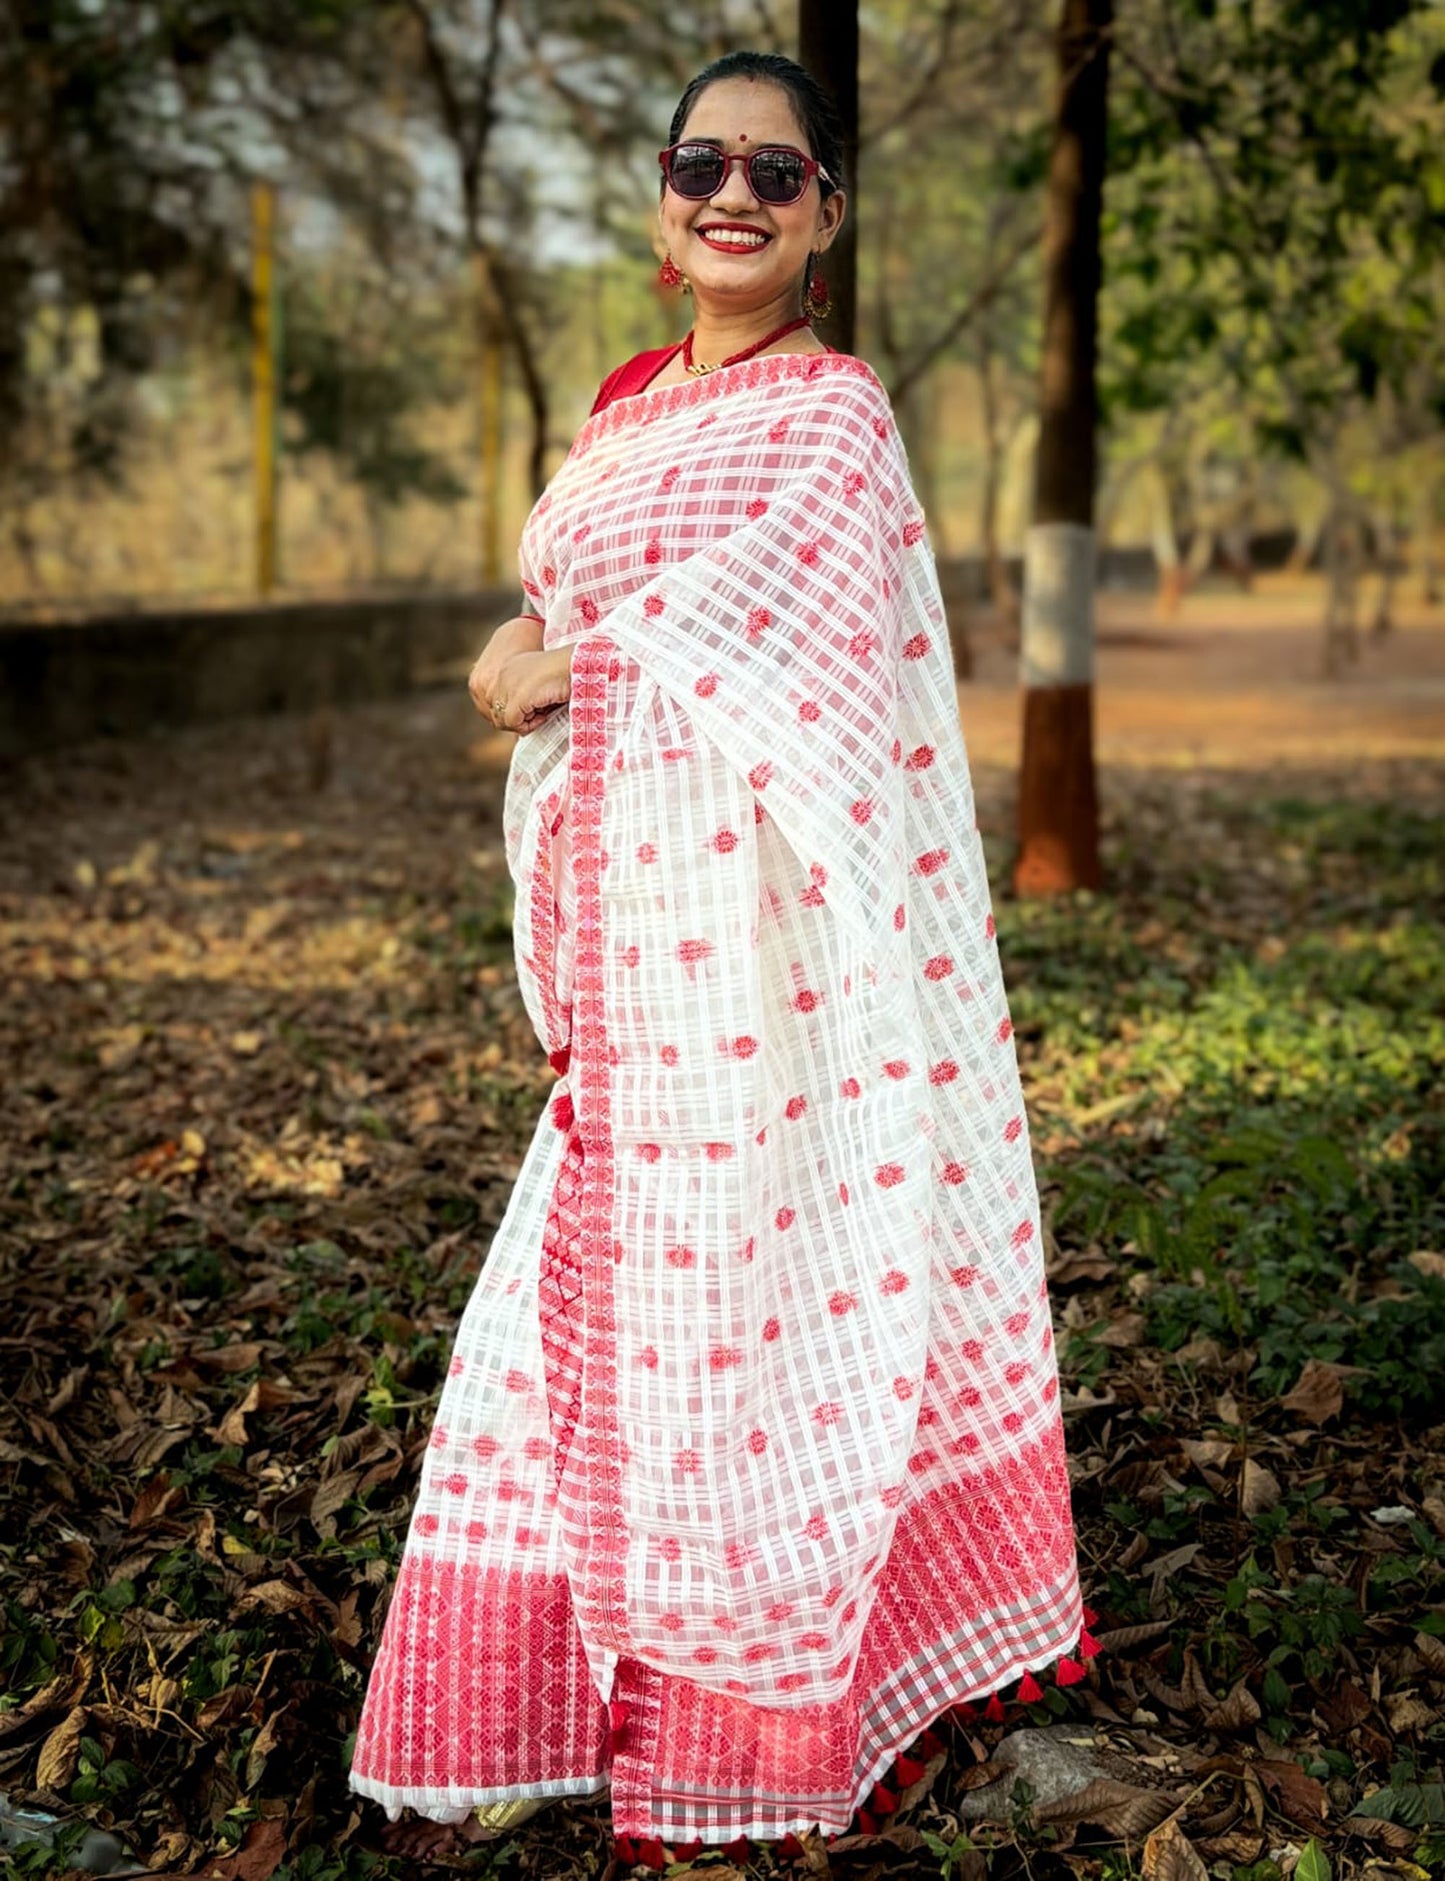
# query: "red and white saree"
750,1462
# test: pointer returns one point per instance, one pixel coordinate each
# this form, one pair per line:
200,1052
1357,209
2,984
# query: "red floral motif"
863,644
680,1256
920,758
772,1330
652,554
806,1001
841,1302
850,1087
861,810
917,647
896,1068
587,608
1013,1129
809,553
794,1108
669,478
759,620
954,1173
689,952
653,606
895,1281
944,1072
785,1217
759,775
939,967
888,1175
705,685
810,711
757,1441
740,1047
725,841
931,861
757,507
912,533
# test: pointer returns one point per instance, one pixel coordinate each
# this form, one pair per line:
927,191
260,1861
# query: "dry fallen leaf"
1169,1855
60,1753
1259,1489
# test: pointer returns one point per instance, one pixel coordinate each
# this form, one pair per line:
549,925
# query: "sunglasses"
776,173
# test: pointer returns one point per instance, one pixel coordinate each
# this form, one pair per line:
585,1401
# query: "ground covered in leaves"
267,1082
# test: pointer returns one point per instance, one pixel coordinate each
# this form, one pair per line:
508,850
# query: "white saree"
750,1463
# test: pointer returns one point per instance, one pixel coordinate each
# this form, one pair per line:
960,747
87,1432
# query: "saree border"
593,1486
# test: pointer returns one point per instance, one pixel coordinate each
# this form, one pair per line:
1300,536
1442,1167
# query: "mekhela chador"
750,1462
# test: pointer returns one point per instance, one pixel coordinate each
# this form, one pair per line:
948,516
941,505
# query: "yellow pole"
263,379
489,389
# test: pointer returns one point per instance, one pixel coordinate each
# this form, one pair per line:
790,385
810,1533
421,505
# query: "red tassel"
625,1849
868,1823
883,1801
994,1710
685,1851
1088,1645
789,1849
930,1743
909,1770
1090,1617
738,1850
1068,1672
652,1854
1030,1691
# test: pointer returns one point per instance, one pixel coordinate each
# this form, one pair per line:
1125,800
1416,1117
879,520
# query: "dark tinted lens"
696,170
777,175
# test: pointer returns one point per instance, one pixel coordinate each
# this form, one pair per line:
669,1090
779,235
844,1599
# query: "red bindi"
742,140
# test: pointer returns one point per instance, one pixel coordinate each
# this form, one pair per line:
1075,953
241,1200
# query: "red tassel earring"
670,275
817,301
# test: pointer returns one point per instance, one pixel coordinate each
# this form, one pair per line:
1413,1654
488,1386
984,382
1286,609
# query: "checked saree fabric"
750,1462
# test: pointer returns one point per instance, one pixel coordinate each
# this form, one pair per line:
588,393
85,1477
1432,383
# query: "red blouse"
636,374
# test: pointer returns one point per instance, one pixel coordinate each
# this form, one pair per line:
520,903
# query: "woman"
750,1464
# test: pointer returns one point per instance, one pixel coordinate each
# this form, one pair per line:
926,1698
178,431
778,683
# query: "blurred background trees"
466,198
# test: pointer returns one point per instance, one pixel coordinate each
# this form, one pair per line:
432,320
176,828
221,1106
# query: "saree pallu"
750,1461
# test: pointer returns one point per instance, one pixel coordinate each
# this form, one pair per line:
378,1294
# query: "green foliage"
1303,1161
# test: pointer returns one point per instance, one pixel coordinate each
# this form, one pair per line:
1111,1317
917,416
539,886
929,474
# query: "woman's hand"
529,687
523,634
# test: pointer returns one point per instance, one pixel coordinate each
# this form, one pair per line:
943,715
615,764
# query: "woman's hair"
815,110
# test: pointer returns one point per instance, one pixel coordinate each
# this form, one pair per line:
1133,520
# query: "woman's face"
738,114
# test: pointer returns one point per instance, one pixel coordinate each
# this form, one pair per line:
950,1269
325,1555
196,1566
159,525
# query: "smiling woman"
750,1462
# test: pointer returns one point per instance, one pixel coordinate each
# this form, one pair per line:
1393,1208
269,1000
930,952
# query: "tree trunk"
1058,798
828,47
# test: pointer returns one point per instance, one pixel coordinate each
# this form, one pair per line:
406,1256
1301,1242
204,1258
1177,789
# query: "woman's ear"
830,218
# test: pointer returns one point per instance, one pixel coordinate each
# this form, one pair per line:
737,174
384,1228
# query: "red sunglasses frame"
811,168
